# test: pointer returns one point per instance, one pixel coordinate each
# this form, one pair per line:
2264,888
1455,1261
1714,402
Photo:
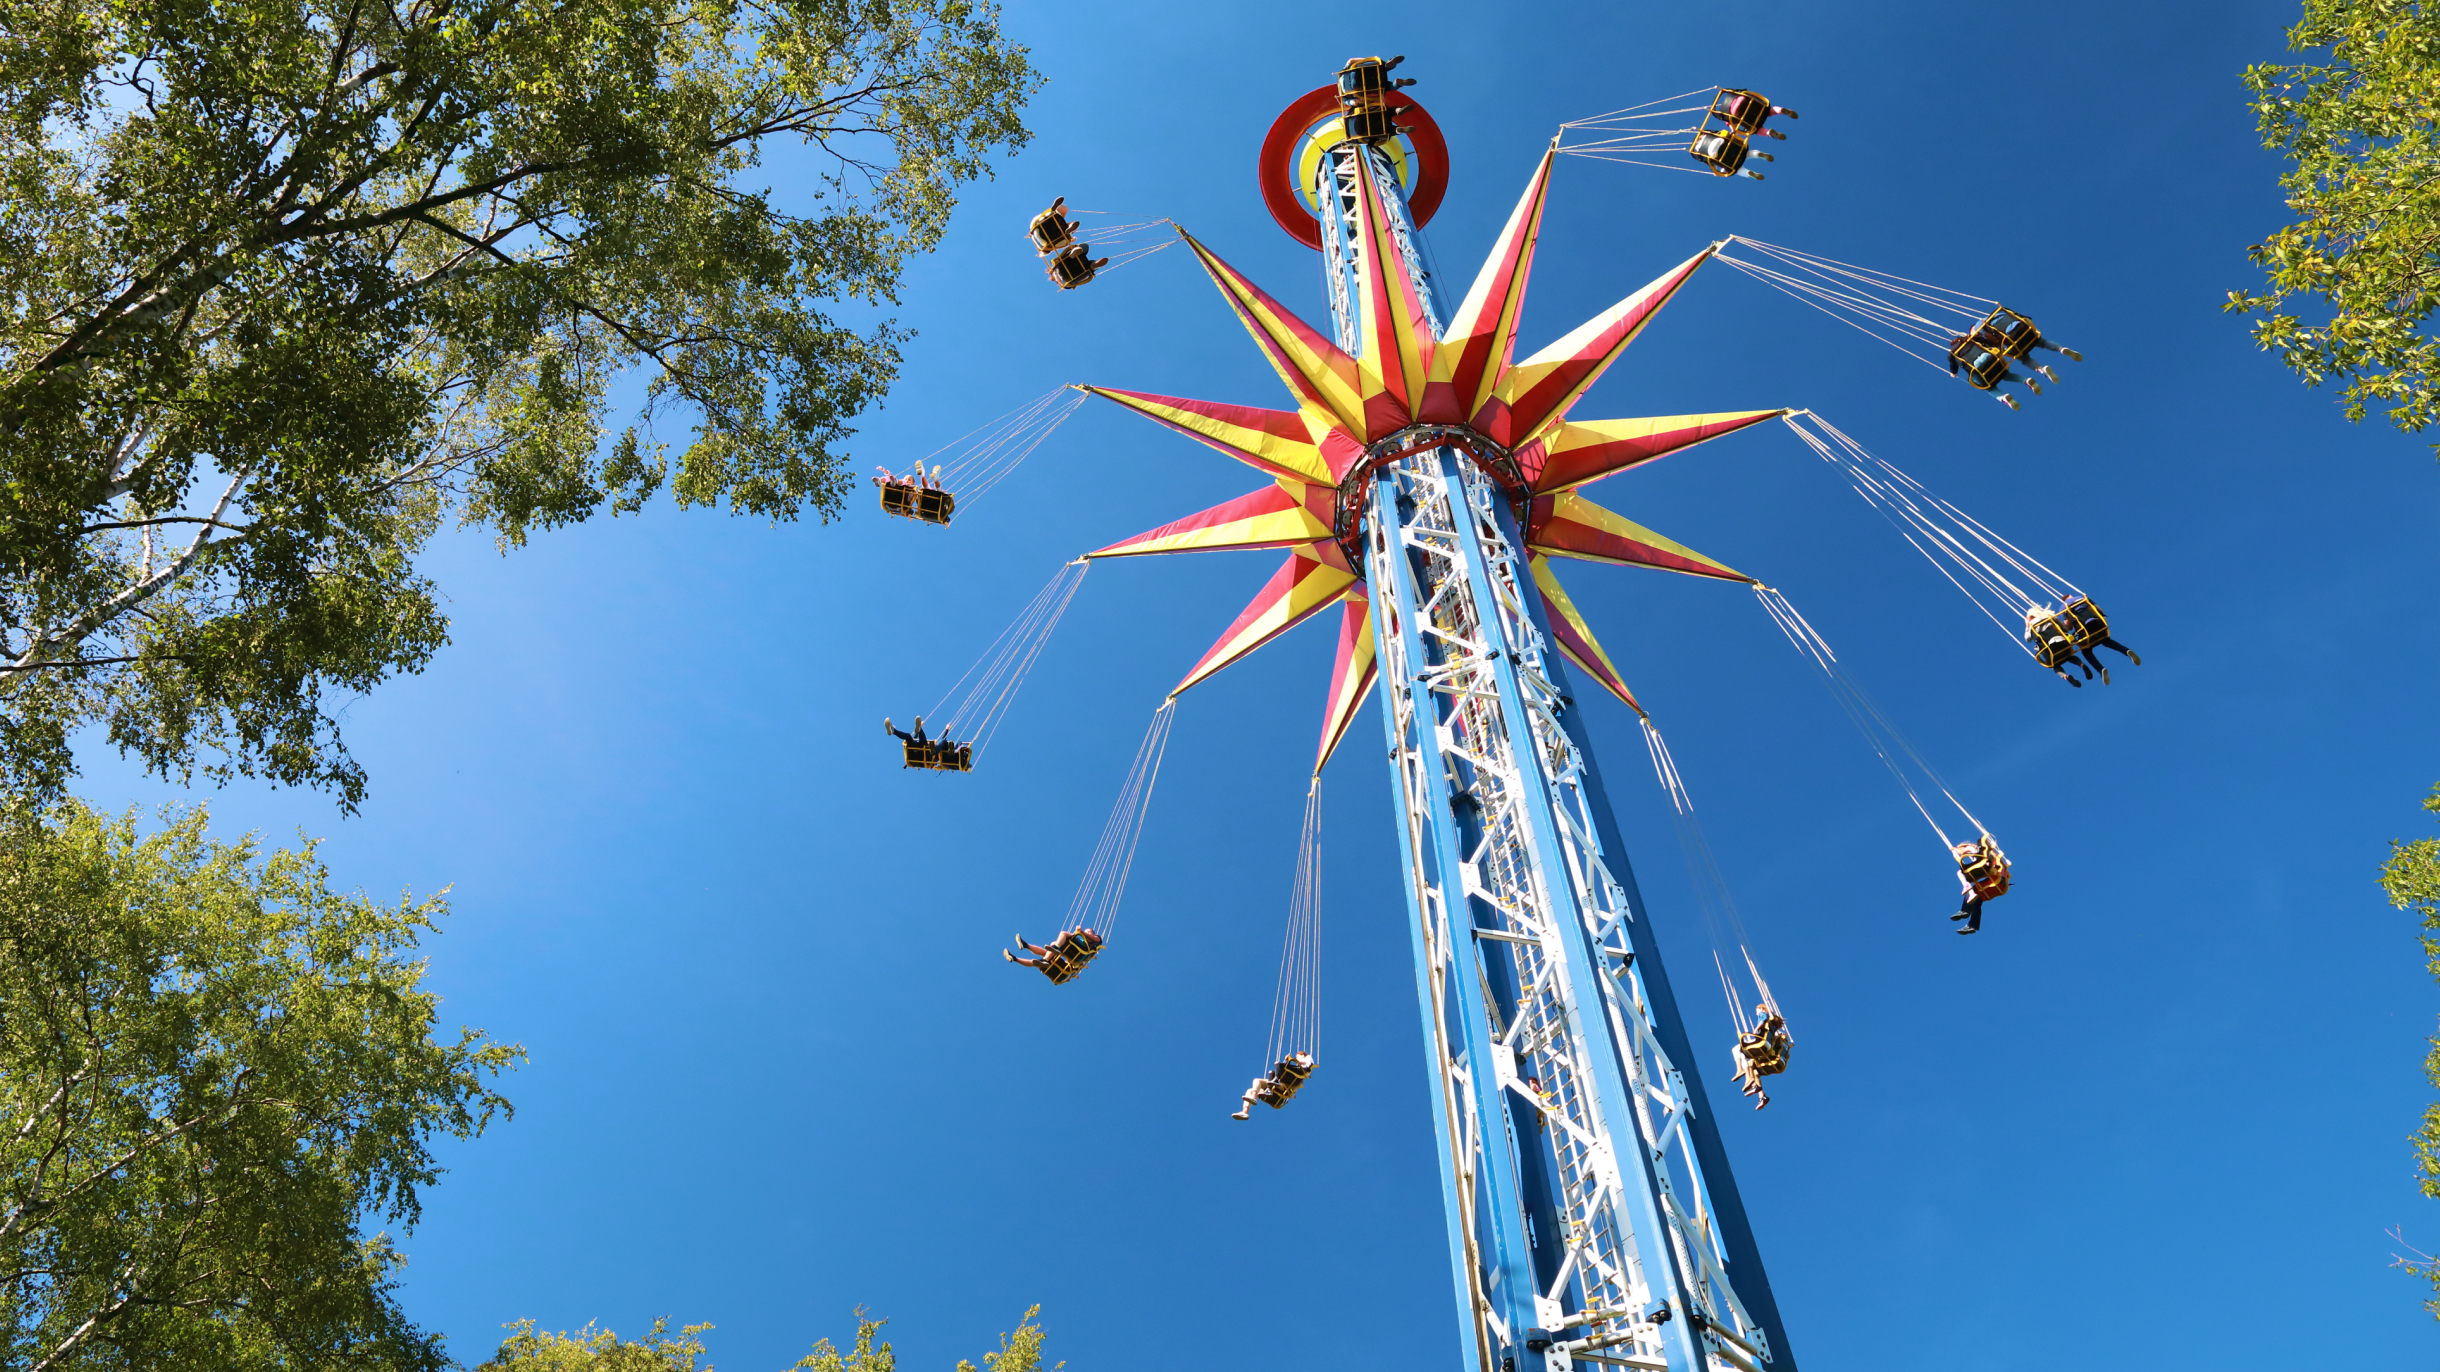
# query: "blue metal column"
1728,1206
1448,1113
1592,1218
1609,1068
1504,1259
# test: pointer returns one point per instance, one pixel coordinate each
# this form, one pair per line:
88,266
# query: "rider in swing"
1063,957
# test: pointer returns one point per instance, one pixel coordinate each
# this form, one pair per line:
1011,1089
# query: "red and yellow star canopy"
1348,409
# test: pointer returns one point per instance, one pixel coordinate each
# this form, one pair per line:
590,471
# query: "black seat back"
1741,110
2084,622
1073,266
1724,151
2008,331
2053,643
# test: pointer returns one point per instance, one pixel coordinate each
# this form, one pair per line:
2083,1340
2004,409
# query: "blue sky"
2156,1113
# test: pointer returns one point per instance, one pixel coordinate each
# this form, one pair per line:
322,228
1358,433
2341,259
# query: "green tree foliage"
2362,132
2411,878
214,1073
286,285
599,1350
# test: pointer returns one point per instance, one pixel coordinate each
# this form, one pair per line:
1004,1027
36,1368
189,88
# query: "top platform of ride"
1364,105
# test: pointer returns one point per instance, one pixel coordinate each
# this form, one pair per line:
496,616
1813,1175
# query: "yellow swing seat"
1072,266
1981,365
2053,640
905,499
1368,103
1050,232
940,755
2010,334
1742,111
1365,82
1984,867
1766,1050
2085,623
1068,957
1722,150
1285,1079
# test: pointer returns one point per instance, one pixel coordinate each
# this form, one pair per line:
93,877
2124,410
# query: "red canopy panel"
1538,391
1277,516
1303,587
1571,526
1580,454
1481,337
1314,368
1396,331
1352,675
1576,639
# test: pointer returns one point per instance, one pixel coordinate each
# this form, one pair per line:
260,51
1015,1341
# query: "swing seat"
1377,125
1985,869
1072,266
1724,151
1743,111
2053,641
1759,1061
1770,1047
907,500
1365,83
1068,957
1982,366
1368,108
940,755
2083,621
2008,333
1286,1078
1765,1050
1050,232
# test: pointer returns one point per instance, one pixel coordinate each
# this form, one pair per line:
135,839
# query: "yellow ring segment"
1322,138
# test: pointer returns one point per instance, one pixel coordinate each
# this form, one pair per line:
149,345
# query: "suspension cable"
1924,318
1296,1006
1105,877
974,462
1656,126
1884,738
1954,542
977,702
1126,242
1720,916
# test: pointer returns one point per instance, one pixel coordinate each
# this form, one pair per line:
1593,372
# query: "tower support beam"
1577,1166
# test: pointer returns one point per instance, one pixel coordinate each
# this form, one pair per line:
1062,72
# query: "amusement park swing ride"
1424,483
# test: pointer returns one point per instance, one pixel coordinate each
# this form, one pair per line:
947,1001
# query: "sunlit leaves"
218,1078
2359,129
2411,880
286,285
592,1349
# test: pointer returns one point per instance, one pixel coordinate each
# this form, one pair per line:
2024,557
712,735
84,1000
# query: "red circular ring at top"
1277,169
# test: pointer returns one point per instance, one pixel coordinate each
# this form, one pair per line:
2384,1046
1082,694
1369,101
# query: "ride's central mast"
1592,1216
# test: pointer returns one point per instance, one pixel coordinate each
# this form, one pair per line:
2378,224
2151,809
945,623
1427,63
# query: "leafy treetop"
215,1074
2411,879
591,1349
2361,131
285,285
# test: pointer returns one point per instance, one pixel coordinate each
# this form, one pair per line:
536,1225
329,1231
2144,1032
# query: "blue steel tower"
1423,483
